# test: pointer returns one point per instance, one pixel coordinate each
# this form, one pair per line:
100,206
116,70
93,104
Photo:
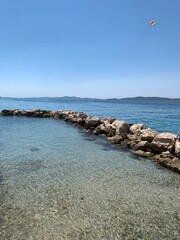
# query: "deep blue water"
160,115
58,182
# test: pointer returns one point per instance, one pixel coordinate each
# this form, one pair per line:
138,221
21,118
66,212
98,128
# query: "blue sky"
89,48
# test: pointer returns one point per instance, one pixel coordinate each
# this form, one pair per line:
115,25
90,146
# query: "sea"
59,182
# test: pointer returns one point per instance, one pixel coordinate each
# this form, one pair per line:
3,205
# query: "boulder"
166,154
107,128
111,131
27,113
45,111
148,134
143,153
81,115
163,142
177,148
38,114
131,144
46,115
79,120
133,137
92,121
21,113
107,123
124,143
156,147
116,139
121,127
17,112
136,128
56,114
173,164
7,112
143,145
100,129
110,119
63,114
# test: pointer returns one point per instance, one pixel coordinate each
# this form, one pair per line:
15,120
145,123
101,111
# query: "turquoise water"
58,182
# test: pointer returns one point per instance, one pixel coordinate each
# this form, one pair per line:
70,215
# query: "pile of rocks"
164,147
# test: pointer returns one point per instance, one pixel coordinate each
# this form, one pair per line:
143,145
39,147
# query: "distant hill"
144,99
73,98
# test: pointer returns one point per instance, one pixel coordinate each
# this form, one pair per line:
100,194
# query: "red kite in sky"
153,23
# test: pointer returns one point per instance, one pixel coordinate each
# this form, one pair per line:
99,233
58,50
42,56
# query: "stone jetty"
146,142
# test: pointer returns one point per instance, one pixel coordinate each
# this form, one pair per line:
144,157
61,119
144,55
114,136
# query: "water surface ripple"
57,182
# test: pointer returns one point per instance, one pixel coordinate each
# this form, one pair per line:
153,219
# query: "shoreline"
146,142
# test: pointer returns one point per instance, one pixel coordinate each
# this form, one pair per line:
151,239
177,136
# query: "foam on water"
58,182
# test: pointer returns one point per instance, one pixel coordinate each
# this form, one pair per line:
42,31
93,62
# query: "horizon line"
112,98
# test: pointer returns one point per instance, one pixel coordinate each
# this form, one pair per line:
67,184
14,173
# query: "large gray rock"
177,148
92,121
143,145
156,147
136,128
163,142
121,127
148,134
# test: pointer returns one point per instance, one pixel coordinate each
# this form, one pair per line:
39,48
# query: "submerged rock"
143,153
34,149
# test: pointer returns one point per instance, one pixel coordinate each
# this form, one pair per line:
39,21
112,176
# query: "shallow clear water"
57,182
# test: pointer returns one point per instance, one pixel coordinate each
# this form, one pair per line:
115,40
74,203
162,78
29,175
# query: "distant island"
73,98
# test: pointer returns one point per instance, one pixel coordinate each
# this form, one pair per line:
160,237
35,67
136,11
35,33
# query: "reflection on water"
78,186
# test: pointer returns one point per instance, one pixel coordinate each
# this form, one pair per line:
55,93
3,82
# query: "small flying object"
153,23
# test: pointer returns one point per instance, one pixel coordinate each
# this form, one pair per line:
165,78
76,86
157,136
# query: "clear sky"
89,48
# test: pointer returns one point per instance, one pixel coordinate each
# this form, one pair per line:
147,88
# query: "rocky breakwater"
146,142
